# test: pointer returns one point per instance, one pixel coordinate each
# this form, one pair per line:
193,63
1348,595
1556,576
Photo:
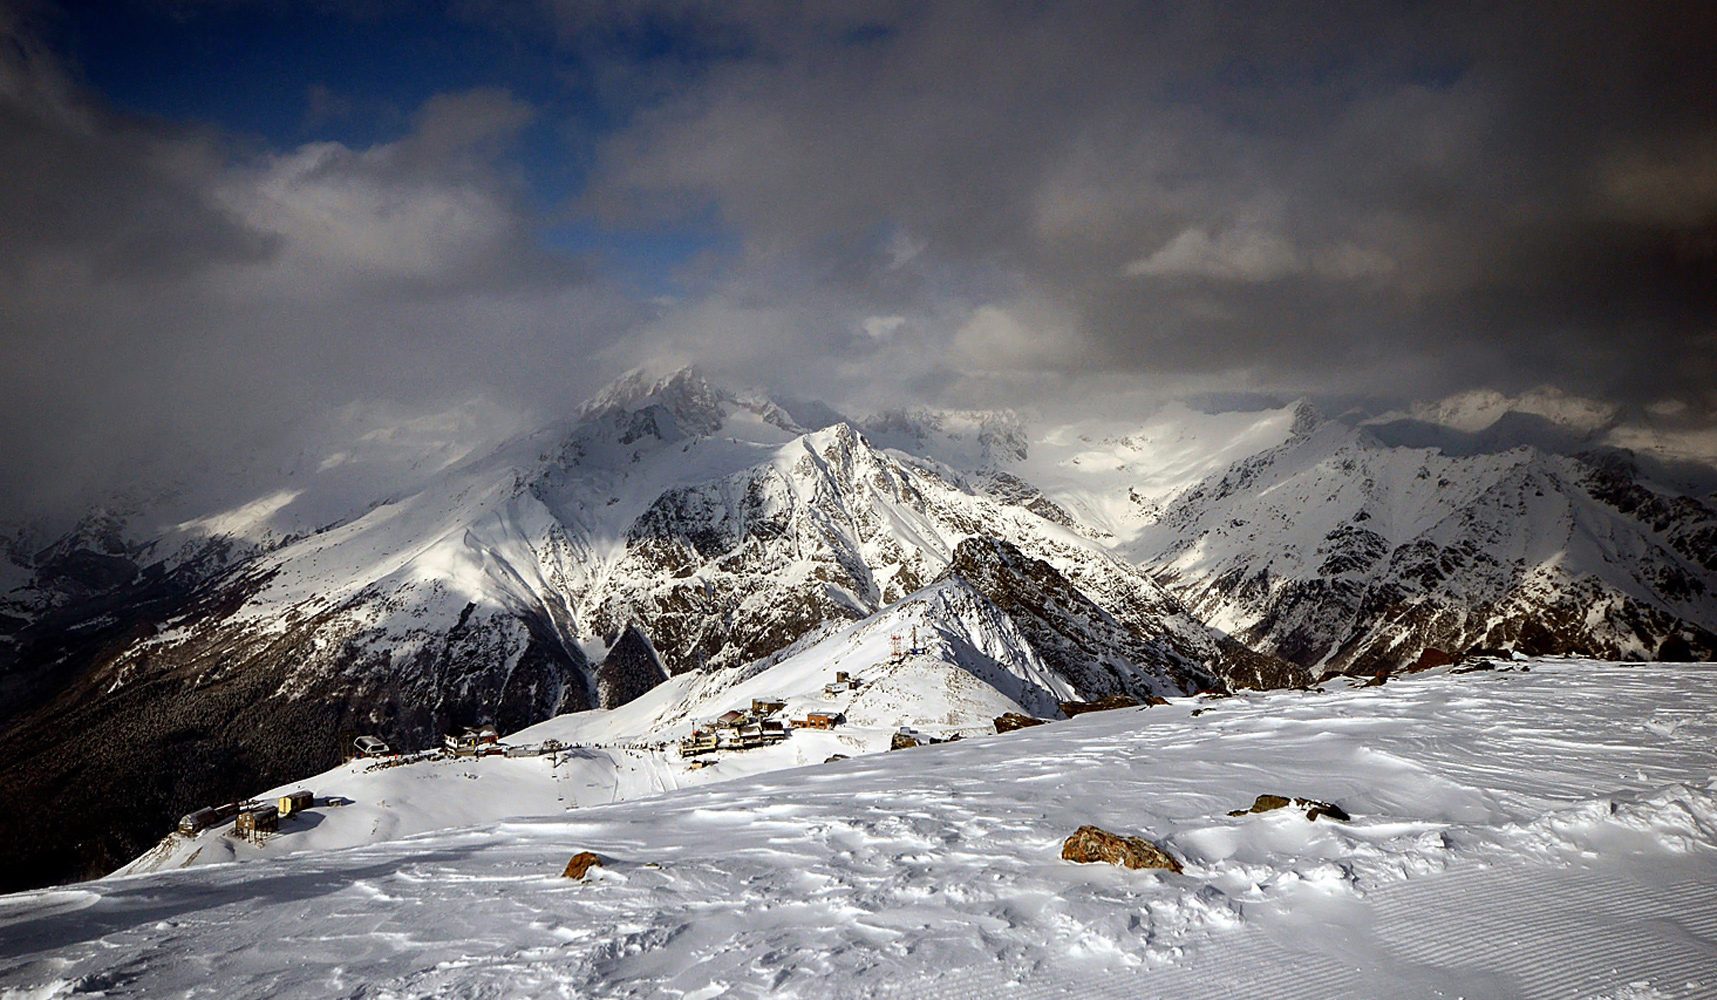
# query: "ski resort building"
371,746
819,720
257,821
296,802
206,817
843,682
471,740
701,741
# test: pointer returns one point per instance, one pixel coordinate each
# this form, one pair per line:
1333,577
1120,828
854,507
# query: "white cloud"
1027,335
883,327
1351,262
903,249
1238,255
1255,255
341,214
1477,409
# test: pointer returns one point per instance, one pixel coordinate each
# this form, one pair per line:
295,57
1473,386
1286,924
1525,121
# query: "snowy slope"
957,630
1114,476
1550,833
970,664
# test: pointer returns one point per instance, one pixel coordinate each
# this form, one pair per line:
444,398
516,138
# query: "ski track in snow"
1550,833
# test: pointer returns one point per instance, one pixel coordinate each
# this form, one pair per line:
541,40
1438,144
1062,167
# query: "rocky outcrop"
629,670
1429,658
1108,704
1090,844
1076,637
1011,721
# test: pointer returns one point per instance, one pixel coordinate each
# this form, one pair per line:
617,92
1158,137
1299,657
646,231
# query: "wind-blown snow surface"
1515,833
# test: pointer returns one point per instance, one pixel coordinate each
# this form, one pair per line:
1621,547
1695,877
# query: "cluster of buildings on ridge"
761,725
253,820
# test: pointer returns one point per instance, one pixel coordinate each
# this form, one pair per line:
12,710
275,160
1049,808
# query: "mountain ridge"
711,529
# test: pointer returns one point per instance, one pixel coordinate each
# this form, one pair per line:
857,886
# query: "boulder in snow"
1313,808
1090,844
581,862
1430,657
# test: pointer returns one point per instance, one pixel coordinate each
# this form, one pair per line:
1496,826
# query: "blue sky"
284,74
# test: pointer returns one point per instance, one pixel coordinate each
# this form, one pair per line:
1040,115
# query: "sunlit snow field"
1549,832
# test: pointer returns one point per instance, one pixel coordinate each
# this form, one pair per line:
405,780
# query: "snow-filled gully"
1550,833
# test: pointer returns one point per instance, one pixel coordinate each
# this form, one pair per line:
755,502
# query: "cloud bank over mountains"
870,203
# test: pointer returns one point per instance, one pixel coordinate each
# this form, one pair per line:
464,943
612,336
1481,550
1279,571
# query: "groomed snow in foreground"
1542,832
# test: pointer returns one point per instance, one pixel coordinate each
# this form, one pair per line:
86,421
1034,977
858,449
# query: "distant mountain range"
675,528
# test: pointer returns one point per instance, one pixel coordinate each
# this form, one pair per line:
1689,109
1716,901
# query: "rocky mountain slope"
674,529
1483,521
710,523
630,670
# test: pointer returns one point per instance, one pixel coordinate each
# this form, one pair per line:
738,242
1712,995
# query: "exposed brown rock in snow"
581,862
1090,844
1011,721
1313,808
1430,657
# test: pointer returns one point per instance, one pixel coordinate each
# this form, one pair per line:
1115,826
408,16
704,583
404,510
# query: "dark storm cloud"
876,203
1324,197
170,298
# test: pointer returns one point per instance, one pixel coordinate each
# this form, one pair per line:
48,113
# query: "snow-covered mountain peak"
1338,550
696,405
